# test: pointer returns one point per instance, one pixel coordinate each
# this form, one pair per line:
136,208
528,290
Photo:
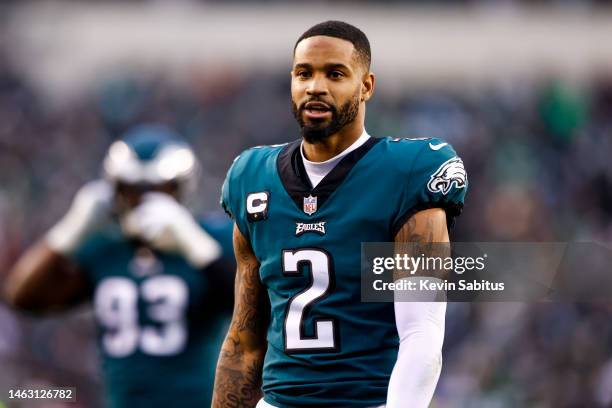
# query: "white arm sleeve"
90,208
420,326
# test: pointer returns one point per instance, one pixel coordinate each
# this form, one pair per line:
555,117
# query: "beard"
317,132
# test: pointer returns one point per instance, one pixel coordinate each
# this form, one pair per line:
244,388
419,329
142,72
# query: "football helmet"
152,155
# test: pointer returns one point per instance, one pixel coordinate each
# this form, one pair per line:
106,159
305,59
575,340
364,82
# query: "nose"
317,86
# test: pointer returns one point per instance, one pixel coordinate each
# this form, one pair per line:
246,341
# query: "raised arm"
420,325
44,280
238,376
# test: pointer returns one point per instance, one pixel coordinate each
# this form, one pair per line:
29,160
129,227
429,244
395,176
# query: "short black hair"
344,31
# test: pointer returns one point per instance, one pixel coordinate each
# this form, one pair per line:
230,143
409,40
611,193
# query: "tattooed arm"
238,376
420,325
424,227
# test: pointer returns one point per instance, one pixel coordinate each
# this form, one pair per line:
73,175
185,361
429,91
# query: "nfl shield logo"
310,205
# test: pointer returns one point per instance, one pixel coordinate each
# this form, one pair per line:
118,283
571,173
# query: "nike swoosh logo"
438,146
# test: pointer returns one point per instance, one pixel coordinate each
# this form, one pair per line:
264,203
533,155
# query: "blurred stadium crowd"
537,154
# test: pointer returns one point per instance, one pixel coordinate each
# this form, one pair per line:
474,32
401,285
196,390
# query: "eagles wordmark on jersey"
325,347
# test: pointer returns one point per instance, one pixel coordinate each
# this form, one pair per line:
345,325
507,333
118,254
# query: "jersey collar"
290,166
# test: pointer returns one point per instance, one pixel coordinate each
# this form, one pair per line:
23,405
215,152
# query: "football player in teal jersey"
300,335
160,280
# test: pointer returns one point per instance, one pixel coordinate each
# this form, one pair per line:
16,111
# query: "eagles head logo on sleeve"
449,173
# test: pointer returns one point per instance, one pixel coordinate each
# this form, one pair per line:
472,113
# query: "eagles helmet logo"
449,173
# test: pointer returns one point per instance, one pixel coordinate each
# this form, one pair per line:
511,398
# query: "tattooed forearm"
238,376
238,388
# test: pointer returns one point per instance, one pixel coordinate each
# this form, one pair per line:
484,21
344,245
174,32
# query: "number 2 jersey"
325,347
159,324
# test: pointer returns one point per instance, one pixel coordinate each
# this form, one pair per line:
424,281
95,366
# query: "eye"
336,74
302,74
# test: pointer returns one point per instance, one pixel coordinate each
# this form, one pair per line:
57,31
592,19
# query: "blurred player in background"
302,209
159,279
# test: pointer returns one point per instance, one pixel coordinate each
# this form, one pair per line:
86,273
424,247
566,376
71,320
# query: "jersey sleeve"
437,179
230,197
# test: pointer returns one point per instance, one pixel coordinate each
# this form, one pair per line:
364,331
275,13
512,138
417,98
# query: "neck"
335,144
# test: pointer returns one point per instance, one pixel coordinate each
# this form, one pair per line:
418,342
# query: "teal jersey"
326,348
160,327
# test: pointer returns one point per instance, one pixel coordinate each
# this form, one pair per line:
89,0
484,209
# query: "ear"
367,86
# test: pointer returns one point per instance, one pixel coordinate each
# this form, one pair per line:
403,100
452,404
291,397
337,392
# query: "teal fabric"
393,180
167,299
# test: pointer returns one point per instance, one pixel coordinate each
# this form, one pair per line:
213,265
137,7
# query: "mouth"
317,111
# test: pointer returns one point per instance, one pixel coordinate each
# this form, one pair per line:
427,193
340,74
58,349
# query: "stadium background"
523,90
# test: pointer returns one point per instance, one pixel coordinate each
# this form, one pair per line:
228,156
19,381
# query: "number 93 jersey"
325,347
159,326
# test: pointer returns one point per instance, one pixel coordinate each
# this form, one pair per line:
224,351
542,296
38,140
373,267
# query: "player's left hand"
168,226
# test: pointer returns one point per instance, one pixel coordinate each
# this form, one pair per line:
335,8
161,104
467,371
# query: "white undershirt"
317,170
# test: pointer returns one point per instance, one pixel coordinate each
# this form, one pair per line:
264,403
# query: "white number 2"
324,338
116,307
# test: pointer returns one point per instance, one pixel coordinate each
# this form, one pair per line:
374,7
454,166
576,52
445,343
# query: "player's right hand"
90,209
169,227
